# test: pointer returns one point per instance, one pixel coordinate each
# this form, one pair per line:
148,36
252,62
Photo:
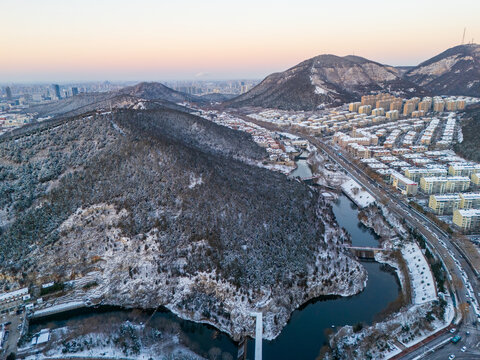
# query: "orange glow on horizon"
181,39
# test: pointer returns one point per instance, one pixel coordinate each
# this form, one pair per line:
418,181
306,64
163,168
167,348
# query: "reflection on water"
346,213
303,336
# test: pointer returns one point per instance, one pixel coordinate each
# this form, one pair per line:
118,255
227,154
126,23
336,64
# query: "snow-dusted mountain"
327,80
156,91
144,95
166,208
455,71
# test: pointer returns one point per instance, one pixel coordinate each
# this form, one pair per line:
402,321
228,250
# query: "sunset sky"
52,40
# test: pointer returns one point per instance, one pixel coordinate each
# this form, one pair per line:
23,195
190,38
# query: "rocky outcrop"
455,71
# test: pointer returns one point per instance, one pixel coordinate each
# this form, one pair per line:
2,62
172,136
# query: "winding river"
305,333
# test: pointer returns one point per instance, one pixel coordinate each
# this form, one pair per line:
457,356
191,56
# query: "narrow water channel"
303,169
346,213
304,335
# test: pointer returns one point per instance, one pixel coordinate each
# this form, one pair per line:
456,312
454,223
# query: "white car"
451,357
453,330
463,349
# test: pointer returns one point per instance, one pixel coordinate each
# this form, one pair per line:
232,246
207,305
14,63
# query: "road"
459,271
13,329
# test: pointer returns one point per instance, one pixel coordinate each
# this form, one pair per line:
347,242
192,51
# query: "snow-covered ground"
423,284
59,308
385,339
357,193
124,343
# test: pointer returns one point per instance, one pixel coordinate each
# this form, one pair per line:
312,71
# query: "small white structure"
258,335
13,295
47,285
423,284
357,193
41,338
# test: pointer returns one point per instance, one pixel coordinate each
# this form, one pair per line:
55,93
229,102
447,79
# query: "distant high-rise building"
74,91
369,100
396,105
8,91
56,90
392,115
408,108
365,109
451,105
354,106
243,87
438,105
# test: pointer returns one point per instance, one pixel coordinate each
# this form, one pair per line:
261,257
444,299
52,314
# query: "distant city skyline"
58,41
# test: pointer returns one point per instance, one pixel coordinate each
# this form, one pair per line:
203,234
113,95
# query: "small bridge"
311,178
364,252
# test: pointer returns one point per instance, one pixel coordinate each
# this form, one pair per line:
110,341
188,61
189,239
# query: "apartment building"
441,185
353,107
467,219
444,204
425,105
416,174
476,178
369,100
433,184
404,184
451,105
461,104
359,151
462,169
396,105
457,183
392,115
469,201
438,105
408,108
365,109
378,112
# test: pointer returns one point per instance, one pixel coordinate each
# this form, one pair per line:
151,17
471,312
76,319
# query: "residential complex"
410,147
448,203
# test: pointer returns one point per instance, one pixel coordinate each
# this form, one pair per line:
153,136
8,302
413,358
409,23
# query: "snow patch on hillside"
437,68
194,181
320,91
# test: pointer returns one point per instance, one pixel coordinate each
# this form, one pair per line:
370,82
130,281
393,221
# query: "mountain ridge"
455,71
325,80
153,94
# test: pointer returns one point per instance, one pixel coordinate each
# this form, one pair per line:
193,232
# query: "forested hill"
163,208
469,148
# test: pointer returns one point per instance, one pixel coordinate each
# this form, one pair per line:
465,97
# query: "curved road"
461,275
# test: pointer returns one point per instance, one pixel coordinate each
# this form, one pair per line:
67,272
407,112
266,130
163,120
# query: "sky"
83,40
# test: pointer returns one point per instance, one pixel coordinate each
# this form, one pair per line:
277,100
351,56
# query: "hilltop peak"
325,80
455,71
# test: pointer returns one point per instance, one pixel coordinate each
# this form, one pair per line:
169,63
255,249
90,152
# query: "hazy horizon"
56,41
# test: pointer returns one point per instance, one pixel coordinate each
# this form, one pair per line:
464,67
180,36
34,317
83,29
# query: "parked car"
463,349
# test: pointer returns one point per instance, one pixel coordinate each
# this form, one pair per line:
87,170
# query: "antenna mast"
463,37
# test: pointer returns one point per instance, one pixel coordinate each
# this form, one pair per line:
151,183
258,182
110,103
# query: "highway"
457,267
462,277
